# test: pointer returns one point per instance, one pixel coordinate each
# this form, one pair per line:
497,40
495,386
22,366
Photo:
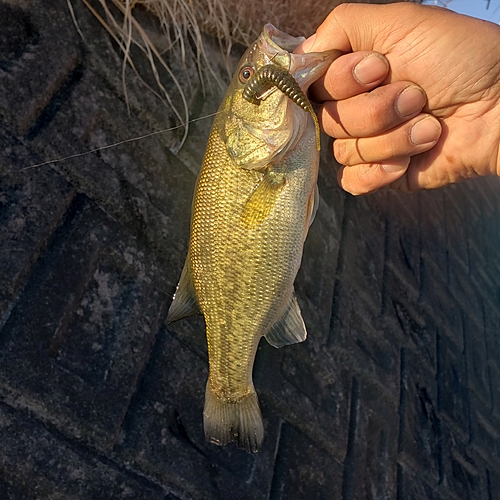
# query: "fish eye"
245,74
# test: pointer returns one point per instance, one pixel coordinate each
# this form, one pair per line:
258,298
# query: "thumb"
353,27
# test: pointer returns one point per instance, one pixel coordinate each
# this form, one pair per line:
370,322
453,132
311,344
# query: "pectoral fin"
184,303
263,199
290,329
312,206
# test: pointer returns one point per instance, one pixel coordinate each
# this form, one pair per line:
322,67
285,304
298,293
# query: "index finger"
350,75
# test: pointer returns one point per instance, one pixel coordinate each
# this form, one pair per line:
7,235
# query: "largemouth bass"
255,198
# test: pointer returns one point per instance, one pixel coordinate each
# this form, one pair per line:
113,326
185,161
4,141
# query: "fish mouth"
305,68
279,39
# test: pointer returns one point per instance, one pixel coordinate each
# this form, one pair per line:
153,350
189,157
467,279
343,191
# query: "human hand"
382,137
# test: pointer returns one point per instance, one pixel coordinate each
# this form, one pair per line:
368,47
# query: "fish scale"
254,201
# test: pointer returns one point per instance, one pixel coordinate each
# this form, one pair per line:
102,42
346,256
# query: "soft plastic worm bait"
257,83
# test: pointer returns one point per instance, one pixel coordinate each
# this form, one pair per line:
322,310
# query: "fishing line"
109,146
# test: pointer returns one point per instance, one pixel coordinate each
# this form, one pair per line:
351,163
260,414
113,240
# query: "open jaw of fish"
254,201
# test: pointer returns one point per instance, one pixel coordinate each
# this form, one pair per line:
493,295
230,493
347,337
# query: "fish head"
256,134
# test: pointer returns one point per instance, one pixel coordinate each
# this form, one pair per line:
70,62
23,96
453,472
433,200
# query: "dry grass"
236,20
184,23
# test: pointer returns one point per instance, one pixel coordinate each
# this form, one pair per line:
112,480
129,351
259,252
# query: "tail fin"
233,421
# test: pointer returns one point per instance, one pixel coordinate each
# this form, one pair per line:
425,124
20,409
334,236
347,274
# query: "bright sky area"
477,8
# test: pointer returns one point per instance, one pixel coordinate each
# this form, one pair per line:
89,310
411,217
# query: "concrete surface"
395,394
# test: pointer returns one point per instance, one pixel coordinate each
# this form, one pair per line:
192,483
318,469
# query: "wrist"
492,141
495,167
481,145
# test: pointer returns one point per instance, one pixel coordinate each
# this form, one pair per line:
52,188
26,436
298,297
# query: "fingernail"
425,131
308,44
370,69
410,101
393,168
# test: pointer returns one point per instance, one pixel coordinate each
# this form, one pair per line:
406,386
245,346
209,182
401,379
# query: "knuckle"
343,151
391,150
374,112
345,183
338,150
356,180
379,114
341,10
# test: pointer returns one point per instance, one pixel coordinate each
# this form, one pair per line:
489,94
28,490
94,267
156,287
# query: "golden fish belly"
243,270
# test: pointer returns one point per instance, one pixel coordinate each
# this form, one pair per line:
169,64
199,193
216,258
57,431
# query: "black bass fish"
255,198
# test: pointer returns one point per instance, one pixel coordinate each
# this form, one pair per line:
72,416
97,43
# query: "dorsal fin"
290,328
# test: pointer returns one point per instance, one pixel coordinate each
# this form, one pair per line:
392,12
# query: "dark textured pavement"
394,395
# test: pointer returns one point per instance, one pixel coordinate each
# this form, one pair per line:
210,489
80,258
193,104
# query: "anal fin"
184,303
290,328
